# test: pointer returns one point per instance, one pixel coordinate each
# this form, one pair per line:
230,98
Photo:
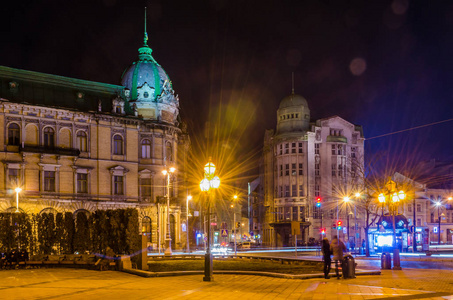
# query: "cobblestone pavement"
86,284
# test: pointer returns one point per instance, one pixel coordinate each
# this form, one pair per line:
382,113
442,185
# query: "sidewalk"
86,284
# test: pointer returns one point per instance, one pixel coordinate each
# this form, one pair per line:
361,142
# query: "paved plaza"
87,284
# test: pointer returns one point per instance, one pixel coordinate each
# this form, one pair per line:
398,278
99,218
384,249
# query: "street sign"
224,232
295,228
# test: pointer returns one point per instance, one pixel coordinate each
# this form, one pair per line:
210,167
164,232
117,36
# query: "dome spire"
292,81
145,41
144,53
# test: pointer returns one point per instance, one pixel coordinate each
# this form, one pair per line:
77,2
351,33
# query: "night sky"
385,65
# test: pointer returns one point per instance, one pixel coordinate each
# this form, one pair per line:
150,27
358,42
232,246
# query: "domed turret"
293,114
148,88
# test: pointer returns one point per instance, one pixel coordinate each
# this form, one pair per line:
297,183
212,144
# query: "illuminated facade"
303,161
78,146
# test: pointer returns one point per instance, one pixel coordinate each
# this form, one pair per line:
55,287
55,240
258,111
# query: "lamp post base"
208,268
168,251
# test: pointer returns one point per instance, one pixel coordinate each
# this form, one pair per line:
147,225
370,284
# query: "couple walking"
336,248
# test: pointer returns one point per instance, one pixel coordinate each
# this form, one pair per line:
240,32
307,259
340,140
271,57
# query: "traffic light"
318,201
323,231
339,223
238,224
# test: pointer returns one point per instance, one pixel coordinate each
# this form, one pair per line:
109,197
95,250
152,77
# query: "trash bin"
386,261
348,266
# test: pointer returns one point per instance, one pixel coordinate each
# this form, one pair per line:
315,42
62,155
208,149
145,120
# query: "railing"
50,150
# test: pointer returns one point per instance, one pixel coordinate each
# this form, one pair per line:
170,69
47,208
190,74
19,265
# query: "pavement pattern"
87,284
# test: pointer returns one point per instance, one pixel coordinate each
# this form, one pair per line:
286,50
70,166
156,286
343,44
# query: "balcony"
50,150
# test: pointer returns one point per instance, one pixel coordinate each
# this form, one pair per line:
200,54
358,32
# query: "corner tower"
149,91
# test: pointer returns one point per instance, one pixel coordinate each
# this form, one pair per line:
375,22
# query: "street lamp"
189,197
18,190
346,201
394,199
168,235
208,183
234,223
438,204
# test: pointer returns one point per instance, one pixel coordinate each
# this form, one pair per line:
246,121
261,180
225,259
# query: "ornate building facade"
305,162
76,145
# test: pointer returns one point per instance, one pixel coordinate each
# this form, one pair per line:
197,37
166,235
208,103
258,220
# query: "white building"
303,161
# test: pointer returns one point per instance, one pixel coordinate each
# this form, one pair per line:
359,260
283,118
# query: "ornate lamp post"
208,183
168,235
189,197
393,201
18,190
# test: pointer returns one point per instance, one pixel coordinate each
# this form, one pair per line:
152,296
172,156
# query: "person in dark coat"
326,257
337,247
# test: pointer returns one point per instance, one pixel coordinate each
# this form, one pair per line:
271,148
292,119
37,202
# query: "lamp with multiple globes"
208,183
18,190
392,198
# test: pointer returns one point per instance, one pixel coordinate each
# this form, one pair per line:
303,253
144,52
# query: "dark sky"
385,65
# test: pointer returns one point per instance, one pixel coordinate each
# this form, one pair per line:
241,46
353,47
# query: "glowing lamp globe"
401,195
204,185
215,182
209,169
395,197
381,198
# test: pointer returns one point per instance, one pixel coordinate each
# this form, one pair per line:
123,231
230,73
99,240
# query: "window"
409,207
49,181
49,137
316,169
286,148
293,147
145,187
295,213
286,190
168,151
281,170
302,213
281,191
294,190
419,208
13,134
293,169
287,212
301,169
334,170
301,190
301,149
13,178
287,170
118,188
334,149
82,141
316,148
340,170
317,212
82,183
146,148
281,149
353,152
118,144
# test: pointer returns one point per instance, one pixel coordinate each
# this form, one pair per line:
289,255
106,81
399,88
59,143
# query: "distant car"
245,245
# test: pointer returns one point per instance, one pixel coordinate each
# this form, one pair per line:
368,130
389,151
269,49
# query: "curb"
148,274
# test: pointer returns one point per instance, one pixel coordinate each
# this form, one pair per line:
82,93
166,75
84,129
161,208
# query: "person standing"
326,253
337,247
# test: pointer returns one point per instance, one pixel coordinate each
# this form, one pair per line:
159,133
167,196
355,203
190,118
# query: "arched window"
168,151
118,144
13,134
146,229
146,148
49,137
82,141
